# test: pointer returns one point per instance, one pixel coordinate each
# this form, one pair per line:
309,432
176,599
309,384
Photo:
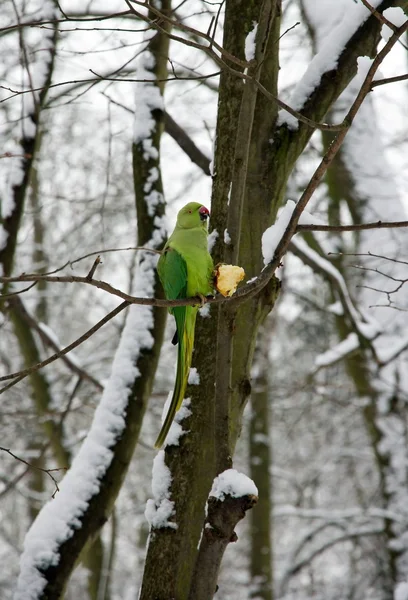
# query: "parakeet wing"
172,270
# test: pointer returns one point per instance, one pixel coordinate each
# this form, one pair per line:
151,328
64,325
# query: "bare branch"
10,295
387,80
67,18
222,518
358,227
371,255
22,374
31,466
93,268
163,18
379,16
186,144
32,322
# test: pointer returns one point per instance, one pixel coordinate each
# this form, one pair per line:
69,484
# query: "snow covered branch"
364,327
231,496
20,375
89,490
36,74
50,339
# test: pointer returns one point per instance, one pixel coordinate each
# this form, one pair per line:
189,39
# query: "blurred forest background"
324,430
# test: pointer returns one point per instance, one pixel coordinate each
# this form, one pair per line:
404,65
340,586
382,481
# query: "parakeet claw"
203,300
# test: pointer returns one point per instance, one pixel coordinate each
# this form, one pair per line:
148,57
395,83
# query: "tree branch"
32,322
358,227
20,375
222,518
186,143
31,466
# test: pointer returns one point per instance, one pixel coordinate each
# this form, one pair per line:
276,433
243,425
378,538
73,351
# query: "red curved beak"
204,213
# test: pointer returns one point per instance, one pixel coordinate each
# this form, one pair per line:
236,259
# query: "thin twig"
358,227
388,80
31,466
370,254
379,16
66,19
49,341
91,273
11,294
22,374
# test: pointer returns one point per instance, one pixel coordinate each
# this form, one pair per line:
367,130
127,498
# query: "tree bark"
260,465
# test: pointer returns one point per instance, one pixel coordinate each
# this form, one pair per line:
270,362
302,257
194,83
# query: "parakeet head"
193,214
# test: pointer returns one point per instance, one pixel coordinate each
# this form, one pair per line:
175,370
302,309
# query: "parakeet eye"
189,212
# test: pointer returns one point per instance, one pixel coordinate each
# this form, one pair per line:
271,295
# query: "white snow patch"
193,376
336,309
59,518
211,165
401,589
3,242
176,429
149,151
153,199
212,237
273,235
363,66
326,59
252,279
396,16
147,96
250,45
161,508
227,237
306,218
152,177
229,194
232,483
205,311
335,354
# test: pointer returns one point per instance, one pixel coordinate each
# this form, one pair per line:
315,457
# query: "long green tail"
185,322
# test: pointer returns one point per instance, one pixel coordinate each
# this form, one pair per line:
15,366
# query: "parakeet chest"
192,246
198,281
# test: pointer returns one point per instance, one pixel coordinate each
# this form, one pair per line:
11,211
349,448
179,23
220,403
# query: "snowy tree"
87,100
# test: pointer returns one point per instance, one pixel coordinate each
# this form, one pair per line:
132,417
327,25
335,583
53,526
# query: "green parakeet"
185,269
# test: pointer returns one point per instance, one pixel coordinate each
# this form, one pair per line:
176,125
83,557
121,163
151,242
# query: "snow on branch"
234,484
274,234
329,51
19,146
232,494
59,518
160,509
338,352
364,324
